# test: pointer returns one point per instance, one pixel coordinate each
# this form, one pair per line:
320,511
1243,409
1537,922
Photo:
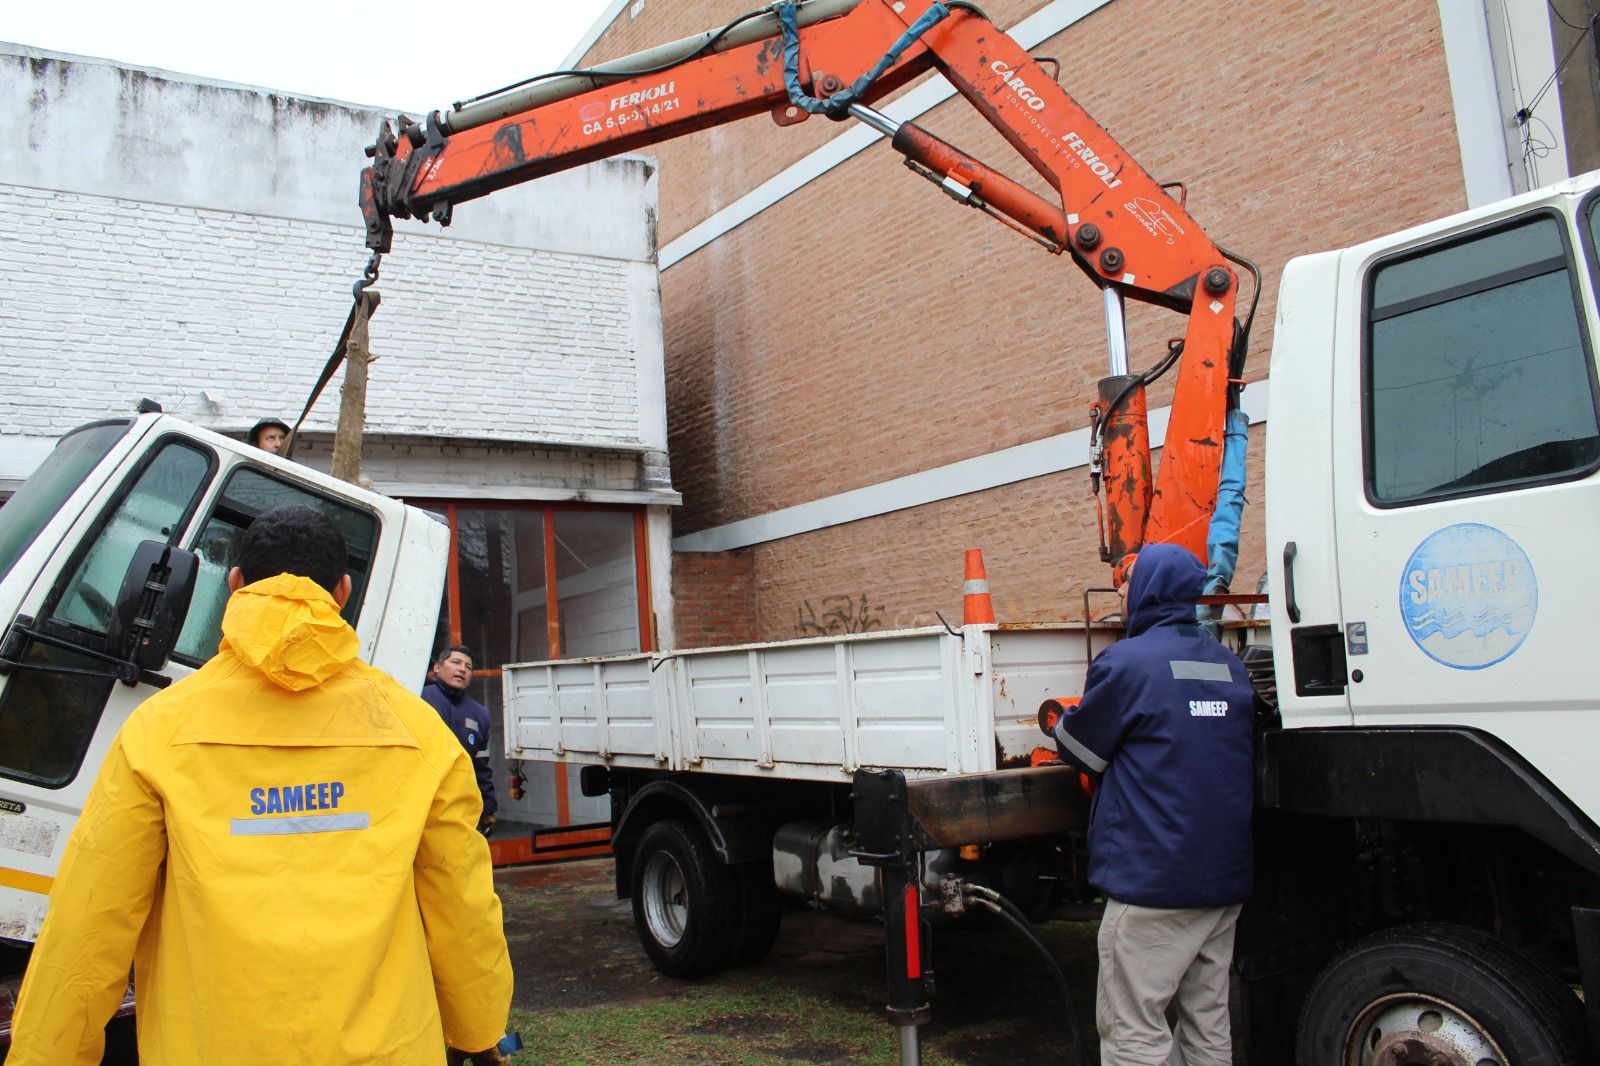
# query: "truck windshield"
31,509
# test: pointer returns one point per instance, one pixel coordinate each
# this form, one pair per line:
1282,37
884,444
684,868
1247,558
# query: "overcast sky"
395,54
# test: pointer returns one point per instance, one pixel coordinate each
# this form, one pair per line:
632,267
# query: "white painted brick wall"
109,300
165,236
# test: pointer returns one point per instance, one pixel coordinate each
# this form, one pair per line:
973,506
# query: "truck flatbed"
924,701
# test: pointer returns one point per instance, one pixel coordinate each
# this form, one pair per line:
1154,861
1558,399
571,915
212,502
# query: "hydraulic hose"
1009,912
1146,379
561,84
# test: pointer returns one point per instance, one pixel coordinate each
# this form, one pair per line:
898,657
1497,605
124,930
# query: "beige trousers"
1151,958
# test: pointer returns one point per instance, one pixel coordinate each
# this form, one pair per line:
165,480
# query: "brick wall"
210,269
897,570
714,598
865,327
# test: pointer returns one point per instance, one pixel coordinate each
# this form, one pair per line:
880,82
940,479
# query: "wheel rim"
666,899
1419,1030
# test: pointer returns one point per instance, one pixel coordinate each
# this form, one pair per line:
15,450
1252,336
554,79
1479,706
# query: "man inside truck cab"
1165,726
269,435
283,844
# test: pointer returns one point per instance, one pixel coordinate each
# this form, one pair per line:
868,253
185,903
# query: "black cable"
995,903
1557,13
1594,66
618,75
1241,341
1255,278
1154,374
1526,113
1145,379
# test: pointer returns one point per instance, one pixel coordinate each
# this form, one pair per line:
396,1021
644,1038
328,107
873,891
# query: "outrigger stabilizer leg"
882,839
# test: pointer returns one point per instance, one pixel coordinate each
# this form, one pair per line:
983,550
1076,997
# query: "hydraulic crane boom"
838,57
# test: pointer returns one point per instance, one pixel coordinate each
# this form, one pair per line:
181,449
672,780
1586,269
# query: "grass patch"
761,1023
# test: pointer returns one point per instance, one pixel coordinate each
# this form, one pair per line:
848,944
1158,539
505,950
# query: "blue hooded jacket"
1165,725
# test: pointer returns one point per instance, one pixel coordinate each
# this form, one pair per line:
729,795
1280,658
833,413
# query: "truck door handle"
1289,552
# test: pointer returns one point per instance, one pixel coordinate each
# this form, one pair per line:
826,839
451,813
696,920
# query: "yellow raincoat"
284,843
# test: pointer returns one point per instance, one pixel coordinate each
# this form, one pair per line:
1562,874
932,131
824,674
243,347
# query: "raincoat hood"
288,627
1165,583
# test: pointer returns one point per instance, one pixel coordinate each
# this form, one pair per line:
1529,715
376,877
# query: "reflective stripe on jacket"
284,844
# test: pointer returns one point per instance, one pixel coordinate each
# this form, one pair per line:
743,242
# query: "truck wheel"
1438,994
684,900
760,913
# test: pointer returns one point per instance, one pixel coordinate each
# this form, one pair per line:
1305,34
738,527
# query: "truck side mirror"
152,604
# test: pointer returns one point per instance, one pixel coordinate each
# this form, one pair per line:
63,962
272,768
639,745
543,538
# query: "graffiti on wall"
837,616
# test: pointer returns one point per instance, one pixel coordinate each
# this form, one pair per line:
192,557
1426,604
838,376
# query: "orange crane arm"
1120,225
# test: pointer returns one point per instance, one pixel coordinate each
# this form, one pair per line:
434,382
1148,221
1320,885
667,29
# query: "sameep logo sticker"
1468,596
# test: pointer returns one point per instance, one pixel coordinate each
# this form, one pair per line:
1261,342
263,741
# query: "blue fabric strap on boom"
1222,540
836,105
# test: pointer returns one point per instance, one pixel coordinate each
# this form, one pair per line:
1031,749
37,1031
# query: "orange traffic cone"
975,604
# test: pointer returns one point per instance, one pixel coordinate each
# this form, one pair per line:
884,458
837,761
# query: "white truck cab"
113,564
1431,463
1428,812
1431,481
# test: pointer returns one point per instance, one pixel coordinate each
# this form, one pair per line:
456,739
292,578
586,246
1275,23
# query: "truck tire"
1431,993
685,900
760,913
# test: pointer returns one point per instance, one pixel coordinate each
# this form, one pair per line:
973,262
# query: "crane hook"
369,276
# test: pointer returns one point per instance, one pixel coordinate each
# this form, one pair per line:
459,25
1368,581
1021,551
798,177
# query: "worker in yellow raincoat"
284,844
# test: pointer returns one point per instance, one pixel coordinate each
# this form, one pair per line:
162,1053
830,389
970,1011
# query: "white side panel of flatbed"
1028,666
819,709
926,701
609,711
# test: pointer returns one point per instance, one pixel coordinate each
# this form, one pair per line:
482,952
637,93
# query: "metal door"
1466,493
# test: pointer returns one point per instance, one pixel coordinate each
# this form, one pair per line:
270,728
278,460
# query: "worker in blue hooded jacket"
1166,728
446,692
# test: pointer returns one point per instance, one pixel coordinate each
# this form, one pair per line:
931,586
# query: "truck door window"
48,487
248,492
1478,374
48,718
154,510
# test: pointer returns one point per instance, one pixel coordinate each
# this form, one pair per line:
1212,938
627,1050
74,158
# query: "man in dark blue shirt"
1166,728
446,692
